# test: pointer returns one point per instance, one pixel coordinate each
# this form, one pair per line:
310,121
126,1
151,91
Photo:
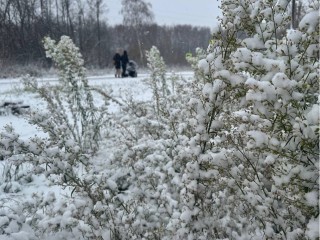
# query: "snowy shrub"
79,121
125,194
12,222
145,176
157,80
256,144
73,124
232,153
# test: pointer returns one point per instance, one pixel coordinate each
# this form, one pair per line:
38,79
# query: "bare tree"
67,17
136,14
96,11
81,20
24,23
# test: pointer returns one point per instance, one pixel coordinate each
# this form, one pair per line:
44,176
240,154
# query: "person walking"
124,62
117,63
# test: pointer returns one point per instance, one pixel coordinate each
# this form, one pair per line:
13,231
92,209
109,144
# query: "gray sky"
169,12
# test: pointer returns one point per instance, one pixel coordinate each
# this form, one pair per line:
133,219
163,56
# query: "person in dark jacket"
124,62
117,63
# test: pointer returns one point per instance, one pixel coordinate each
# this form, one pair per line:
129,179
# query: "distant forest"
24,23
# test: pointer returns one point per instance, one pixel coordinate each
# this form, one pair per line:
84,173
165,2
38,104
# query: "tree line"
24,24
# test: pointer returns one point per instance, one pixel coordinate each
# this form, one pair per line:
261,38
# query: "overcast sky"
169,12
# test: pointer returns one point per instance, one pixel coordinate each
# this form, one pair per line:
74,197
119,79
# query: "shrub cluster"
232,153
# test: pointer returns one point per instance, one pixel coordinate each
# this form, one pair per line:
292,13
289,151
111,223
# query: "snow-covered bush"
256,144
13,221
79,121
232,153
143,169
73,124
157,80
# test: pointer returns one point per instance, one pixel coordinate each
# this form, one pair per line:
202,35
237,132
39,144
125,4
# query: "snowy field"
12,90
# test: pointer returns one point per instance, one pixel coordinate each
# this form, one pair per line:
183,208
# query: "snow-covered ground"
12,90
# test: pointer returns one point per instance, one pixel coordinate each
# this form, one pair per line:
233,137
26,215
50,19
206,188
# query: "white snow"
310,22
313,116
281,80
313,228
204,65
258,138
312,198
